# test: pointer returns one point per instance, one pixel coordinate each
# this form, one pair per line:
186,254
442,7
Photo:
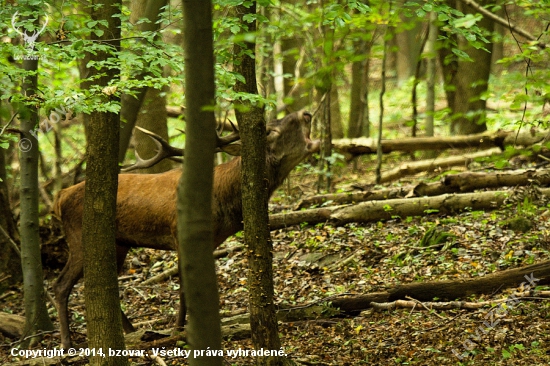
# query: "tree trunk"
498,44
336,127
131,106
255,196
10,259
431,74
325,180
472,81
152,117
381,117
358,110
36,313
194,206
295,94
103,313
408,46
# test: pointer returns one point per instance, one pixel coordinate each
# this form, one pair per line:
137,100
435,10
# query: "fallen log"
453,183
451,289
373,211
486,140
415,167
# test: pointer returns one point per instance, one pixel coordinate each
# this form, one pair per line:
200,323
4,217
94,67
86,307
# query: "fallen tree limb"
448,305
450,289
373,211
415,167
486,140
453,183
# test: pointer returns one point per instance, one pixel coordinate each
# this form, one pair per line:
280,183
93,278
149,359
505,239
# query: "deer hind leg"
71,273
182,310
121,252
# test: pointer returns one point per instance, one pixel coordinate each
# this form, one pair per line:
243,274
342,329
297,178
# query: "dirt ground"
314,264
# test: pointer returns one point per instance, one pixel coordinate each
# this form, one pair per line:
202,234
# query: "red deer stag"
146,203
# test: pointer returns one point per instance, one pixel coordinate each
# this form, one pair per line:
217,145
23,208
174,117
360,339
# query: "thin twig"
504,22
10,240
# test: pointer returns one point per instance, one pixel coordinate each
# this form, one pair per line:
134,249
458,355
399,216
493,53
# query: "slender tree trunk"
325,179
255,196
195,236
293,60
103,313
36,313
336,127
408,46
498,44
152,112
152,117
381,119
430,74
471,84
10,258
131,106
357,124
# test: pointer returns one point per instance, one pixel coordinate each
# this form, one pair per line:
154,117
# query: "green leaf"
78,44
468,21
235,29
98,32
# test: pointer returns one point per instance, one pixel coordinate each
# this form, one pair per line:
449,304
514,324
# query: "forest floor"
309,268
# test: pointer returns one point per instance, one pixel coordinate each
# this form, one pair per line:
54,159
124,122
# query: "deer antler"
165,150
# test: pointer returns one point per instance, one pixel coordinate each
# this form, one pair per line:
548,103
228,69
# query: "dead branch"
453,183
373,211
504,22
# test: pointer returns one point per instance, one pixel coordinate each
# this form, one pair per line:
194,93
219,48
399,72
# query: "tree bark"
36,313
194,205
10,260
358,112
471,82
431,73
336,127
103,313
152,110
293,54
408,46
132,105
255,197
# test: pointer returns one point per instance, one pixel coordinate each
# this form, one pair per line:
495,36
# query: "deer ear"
232,149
